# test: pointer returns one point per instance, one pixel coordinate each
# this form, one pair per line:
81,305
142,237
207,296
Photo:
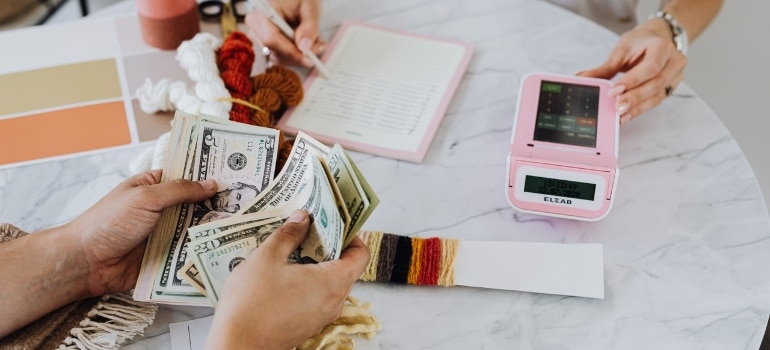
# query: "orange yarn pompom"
290,88
274,91
236,54
267,99
286,73
236,83
284,81
235,59
240,113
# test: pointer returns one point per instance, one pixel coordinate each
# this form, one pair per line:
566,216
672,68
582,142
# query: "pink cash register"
563,158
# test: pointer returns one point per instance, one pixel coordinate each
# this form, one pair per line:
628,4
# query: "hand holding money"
96,254
110,242
196,247
300,299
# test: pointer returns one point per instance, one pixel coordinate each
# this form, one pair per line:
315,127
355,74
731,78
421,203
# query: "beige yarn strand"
446,277
355,320
373,240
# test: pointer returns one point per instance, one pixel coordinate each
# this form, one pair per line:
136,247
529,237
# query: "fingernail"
209,184
580,73
306,62
321,48
304,44
622,107
616,90
298,216
625,118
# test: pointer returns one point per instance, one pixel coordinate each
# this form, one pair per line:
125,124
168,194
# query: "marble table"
685,245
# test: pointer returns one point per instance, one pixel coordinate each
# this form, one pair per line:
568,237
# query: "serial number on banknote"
228,249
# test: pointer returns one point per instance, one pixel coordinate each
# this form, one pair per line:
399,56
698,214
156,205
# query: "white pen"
278,20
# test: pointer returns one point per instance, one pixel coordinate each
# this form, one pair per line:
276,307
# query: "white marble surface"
686,246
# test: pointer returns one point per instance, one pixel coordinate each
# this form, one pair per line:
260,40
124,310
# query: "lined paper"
387,91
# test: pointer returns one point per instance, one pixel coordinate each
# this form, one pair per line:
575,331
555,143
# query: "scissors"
227,12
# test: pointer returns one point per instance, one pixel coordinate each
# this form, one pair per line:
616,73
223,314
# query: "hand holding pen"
289,30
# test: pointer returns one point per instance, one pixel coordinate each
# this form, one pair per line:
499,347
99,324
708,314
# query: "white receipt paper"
550,268
387,93
191,335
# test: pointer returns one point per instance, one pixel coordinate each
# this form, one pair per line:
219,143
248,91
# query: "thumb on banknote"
161,195
288,237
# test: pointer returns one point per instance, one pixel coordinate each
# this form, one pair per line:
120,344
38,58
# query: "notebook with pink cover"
387,93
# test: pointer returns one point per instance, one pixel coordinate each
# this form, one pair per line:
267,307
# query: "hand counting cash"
195,246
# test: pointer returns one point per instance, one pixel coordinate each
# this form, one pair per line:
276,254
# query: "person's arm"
693,15
268,303
649,58
97,253
41,272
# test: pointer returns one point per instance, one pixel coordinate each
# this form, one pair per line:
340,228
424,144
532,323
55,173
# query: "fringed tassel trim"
112,321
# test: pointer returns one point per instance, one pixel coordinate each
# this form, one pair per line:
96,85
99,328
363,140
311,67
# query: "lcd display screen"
560,188
567,114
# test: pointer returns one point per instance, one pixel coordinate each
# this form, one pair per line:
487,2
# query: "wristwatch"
678,34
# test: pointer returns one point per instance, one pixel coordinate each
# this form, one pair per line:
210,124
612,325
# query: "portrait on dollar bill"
224,203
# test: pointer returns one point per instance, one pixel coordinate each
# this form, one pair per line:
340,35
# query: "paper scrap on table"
551,268
191,335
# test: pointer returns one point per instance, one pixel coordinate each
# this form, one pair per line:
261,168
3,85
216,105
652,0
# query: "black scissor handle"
212,9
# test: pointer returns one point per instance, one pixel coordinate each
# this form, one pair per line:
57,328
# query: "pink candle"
167,23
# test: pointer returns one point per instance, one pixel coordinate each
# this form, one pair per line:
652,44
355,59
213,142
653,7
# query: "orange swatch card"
64,131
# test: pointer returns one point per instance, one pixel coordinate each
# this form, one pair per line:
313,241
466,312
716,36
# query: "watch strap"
678,34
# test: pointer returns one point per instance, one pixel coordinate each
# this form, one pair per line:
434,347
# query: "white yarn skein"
142,162
151,158
184,99
159,154
197,57
167,96
154,98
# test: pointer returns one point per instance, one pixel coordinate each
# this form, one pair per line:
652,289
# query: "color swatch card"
68,89
387,93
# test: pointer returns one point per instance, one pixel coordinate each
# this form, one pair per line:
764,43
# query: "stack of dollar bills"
196,246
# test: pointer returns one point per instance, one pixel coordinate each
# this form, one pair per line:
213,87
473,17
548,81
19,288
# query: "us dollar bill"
357,196
177,165
216,256
356,199
219,248
374,201
331,219
242,160
191,274
189,271
292,177
306,170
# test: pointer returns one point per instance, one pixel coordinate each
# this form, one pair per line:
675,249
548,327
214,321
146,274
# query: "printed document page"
387,90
